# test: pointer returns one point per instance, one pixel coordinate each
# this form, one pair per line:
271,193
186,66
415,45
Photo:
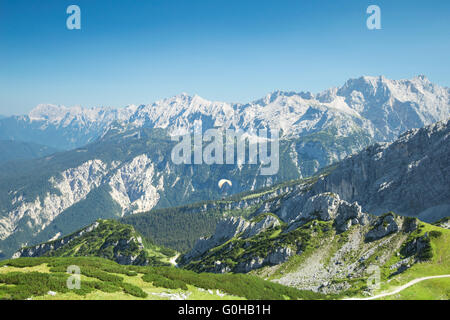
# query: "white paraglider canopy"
223,181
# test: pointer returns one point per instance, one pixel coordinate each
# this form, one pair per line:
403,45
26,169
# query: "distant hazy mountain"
61,127
380,107
18,150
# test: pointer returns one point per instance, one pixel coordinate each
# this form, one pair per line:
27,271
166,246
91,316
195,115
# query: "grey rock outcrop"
220,267
256,228
225,230
277,256
323,206
229,228
417,245
384,226
443,223
328,206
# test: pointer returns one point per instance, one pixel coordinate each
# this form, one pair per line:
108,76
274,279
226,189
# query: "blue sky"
141,51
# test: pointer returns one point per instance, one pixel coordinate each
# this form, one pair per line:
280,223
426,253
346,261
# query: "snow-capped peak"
384,107
48,112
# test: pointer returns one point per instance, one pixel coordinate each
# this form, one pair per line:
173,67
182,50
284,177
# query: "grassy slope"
439,264
433,289
103,279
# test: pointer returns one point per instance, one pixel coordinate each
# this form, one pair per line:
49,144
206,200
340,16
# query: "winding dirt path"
401,288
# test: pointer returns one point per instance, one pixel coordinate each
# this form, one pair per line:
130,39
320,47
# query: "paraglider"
224,186
223,181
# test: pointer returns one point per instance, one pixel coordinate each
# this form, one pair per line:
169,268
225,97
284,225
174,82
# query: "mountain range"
126,167
321,128
364,181
382,108
302,233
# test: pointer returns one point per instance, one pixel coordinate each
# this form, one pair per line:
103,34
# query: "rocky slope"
410,176
104,238
328,247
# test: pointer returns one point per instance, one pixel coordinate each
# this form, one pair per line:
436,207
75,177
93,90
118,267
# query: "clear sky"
136,52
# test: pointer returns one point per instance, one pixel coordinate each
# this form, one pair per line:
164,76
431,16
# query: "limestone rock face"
219,267
256,228
249,265
225,230
69,188
324,206
328,206
229,228
277,256
410,176
348,215
416,245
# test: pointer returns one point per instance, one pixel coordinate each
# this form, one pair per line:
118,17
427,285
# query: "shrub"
133,290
